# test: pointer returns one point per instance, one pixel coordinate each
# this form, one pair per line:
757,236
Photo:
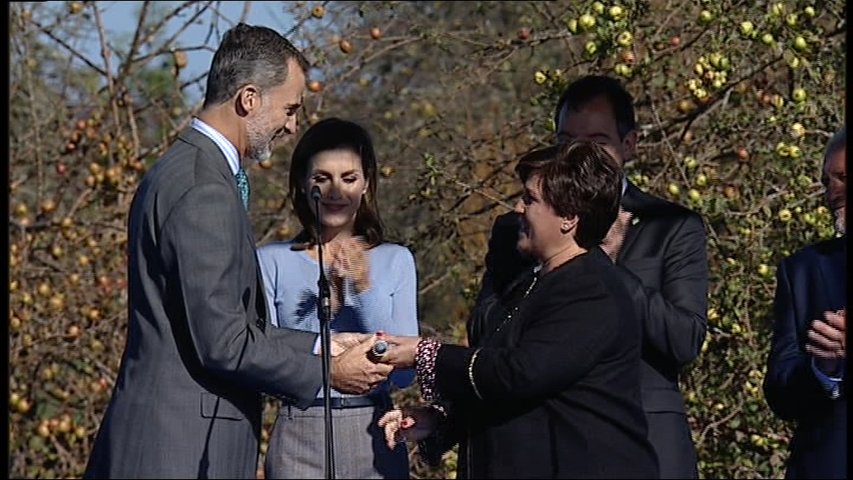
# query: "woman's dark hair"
578,179
335,134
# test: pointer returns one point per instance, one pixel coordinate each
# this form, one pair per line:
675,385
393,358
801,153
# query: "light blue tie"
243,186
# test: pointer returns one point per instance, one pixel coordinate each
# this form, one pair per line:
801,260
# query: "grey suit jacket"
187,401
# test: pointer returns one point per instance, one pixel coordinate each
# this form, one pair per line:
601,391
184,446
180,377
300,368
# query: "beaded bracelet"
425,354
440,409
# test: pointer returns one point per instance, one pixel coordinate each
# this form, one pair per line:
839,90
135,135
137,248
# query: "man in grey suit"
187,402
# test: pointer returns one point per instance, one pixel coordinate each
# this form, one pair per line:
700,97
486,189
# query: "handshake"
362,361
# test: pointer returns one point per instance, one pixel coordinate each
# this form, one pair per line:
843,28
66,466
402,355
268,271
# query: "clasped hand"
827,341
352,370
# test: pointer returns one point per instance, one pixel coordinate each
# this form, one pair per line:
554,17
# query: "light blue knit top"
390,304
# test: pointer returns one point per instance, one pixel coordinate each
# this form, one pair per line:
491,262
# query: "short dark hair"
586,88
578,179
333,134
837,141
249,54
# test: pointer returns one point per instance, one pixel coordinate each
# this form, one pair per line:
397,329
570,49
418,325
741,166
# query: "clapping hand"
349,261
827,341
615,237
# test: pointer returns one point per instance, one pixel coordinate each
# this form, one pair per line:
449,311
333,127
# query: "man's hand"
343,341
827,341
615,237
353,372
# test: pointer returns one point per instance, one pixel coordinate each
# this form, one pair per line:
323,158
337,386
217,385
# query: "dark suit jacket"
187,401
665,267
811,281
559,382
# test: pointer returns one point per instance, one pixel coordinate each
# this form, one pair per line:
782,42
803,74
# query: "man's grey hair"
249,54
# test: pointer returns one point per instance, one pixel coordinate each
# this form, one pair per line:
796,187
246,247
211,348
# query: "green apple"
623,70
791,19
616,12
794,62
572,25
694,194
625,39
798,130
673,189
777,9
799,95
586,21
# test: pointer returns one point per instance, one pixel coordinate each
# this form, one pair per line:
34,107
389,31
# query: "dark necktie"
243,186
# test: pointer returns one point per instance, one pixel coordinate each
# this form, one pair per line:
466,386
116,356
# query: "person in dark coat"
658,246
806,367
550,384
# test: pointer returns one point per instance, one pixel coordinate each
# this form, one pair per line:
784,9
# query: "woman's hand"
401,350
408,424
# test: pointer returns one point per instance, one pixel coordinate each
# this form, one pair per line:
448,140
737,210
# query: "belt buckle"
344,402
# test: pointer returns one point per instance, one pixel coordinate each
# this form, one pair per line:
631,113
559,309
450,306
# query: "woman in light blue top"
373,287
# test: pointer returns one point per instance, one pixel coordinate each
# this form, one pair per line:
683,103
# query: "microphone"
379,348
316,194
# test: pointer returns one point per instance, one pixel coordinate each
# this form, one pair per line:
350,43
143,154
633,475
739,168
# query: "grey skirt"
297,447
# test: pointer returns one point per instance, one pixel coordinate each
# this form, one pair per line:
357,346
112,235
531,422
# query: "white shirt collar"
226,147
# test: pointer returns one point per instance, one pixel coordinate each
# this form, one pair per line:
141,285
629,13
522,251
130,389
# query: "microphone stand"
324,313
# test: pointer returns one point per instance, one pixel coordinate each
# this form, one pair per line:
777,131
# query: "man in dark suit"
187,400
660,248
806,365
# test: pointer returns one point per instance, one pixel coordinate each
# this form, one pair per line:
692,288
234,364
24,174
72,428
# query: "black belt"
345,402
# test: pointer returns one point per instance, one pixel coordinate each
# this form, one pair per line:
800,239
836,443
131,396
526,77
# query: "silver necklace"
514,310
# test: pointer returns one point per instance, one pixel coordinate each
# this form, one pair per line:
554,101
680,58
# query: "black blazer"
559,381
811,281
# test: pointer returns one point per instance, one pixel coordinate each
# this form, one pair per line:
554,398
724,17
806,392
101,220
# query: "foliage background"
736,100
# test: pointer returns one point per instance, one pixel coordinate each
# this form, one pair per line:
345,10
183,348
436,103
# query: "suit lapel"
220,164
212,154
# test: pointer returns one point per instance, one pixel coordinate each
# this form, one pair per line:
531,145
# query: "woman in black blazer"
549,387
